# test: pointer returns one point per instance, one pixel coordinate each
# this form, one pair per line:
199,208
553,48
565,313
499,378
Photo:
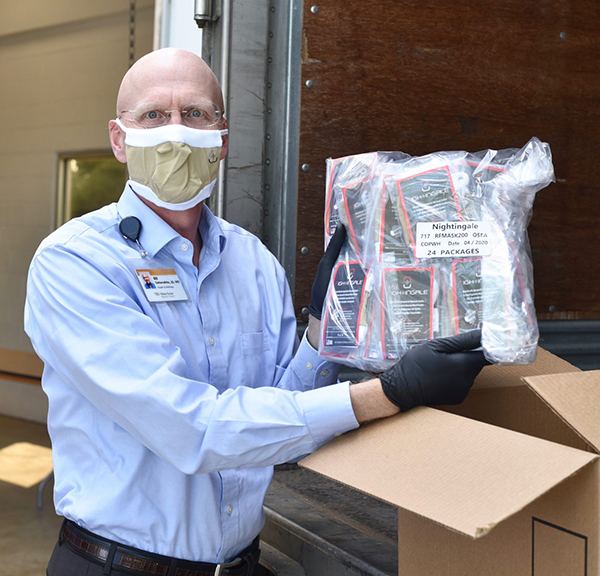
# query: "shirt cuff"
328,412
311,369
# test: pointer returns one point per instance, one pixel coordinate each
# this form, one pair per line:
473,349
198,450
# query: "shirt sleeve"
94,336
310,370
300,366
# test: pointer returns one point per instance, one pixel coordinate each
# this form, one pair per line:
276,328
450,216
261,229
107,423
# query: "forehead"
176,96
169,84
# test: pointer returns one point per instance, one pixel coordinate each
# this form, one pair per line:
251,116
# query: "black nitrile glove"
319,288
435,373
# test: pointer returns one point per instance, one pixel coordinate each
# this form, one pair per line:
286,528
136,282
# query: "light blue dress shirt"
166,418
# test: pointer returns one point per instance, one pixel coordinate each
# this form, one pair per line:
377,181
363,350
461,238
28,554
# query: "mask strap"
120,125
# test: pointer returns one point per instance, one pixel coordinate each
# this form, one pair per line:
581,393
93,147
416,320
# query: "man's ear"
225,146
117,141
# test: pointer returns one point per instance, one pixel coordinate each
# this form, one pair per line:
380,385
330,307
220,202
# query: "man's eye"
195,113
152,115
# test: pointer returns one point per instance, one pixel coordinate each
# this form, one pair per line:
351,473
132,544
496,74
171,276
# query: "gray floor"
27,535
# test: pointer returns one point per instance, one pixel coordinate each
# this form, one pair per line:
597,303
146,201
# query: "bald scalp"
164,72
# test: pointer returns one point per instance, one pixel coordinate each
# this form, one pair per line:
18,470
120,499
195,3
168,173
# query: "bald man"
169,406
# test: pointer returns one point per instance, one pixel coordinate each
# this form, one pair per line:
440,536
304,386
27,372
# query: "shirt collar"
211,231
156,233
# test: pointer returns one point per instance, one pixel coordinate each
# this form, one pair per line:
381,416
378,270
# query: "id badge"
159,280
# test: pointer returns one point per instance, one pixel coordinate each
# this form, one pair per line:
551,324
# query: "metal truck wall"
466,75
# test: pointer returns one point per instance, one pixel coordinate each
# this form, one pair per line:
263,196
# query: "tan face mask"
177,166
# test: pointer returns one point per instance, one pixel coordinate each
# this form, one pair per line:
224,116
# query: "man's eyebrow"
153,105
150,104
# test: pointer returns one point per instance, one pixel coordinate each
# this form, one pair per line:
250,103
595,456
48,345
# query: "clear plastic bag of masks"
436,245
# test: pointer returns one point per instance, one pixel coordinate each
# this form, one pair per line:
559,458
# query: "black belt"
125,558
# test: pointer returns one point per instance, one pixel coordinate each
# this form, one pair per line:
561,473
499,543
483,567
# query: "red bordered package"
408,314
343,324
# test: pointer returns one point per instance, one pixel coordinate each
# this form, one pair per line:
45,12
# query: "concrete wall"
60,66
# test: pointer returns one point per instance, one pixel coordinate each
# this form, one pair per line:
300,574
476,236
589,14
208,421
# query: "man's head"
169,79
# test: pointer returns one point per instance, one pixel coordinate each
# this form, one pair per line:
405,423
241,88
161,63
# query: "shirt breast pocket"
256,359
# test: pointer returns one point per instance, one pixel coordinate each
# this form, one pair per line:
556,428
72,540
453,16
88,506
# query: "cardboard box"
505,484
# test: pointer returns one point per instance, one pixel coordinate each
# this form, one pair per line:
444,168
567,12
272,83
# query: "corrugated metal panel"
576,341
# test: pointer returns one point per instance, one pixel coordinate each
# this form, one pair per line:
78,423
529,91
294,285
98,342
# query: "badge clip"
130,228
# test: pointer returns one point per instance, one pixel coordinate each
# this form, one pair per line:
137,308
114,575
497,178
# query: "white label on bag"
453,239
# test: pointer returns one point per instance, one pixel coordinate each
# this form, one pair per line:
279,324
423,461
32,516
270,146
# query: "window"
88,182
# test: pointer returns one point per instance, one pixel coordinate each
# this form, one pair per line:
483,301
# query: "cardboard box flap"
575,397
507,376
466,475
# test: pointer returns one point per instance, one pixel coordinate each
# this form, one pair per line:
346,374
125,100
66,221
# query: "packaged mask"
441,243
173,166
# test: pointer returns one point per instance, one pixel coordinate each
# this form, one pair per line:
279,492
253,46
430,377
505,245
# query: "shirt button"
212,341
185,247
308,366
229,510
324,373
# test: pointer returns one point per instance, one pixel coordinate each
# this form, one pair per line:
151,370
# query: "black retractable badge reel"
131,227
